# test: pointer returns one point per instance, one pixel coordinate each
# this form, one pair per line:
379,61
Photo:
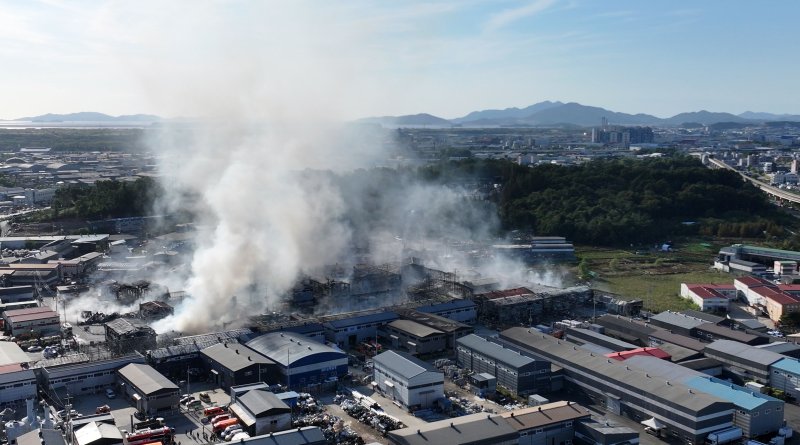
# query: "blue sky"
357,58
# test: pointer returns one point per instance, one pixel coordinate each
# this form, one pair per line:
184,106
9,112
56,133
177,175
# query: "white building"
407,379
709,297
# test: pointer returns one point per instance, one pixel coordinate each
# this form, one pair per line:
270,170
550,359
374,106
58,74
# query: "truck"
724,436
222,424
164,435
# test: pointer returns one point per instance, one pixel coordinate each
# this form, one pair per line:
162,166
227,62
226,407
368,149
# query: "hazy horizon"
446,58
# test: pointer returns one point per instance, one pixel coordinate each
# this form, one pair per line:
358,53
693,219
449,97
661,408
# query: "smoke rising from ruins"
267,166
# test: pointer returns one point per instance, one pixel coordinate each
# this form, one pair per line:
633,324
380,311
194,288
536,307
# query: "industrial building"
413,383
349,332
16,294
472,429
261,412
231,364
709,297
17,385
547,424
529,304
677,322
413,337
302,362
581,336
452,329
12,354
744,361
756,414
86,376
150,392
776,300
40,320
518,373
461,310
786,376
125,335
711,332
689,415
309,435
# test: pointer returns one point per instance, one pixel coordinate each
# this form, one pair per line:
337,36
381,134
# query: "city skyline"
359,59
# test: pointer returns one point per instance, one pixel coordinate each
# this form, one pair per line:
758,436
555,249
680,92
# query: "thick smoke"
270,173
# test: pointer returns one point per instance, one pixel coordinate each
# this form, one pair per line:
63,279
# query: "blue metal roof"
361,319
788,365
741,397
447,306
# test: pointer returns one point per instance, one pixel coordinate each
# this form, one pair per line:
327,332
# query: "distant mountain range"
90,116
558,113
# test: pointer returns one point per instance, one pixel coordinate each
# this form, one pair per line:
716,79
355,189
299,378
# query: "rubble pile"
464,406
368,414
312,413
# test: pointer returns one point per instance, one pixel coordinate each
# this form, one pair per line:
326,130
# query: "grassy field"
653,276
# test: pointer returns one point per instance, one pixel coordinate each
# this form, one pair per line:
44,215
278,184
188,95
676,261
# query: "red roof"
506,293
789,287
706,292
751,281
652,352
28,310
14,367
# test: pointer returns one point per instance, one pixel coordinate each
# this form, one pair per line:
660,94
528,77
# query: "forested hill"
621,202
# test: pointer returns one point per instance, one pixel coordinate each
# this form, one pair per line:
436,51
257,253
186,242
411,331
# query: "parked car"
110,393
194,405
229,435
205,397
34,348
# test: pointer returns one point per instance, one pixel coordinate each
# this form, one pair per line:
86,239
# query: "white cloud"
508,16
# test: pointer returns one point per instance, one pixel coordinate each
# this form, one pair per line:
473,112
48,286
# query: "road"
774,191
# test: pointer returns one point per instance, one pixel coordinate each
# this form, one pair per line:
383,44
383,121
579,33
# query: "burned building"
529,304
124,335
155,310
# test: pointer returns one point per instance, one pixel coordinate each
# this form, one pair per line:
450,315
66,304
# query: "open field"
651,275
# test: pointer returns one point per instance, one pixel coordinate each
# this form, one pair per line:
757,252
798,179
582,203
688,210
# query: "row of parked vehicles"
223,425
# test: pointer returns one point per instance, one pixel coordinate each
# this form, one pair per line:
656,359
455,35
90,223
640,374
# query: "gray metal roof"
309,435
414,329
780,347
15,374
474,428
11,353
572,357
406,365
48,437
379,317
234,356
282,347
146,379
125,326
261,403
703,316
733,334
677,319
212,338
495,351
746,352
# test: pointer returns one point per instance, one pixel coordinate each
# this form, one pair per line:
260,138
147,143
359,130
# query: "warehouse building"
460,310
452,329
709,297
743,361
581,336
231,364
125,335
41,320
756,414
81,374
150,392
351,331
414,338
552,423
624,390
472,429
785,376
309,435
301,362
413,383
519,373
17,385
261,412
710,332
677,323
16,294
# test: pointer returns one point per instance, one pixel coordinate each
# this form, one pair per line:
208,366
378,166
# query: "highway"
774,191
